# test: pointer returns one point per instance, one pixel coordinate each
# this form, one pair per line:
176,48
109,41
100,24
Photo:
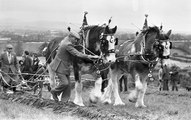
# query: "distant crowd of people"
29,63
11,69
166,77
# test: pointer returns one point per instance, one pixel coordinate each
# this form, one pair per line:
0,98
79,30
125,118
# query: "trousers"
63,87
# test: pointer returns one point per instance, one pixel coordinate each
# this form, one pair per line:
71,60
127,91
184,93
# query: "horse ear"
69,29
168,33
107,29
116,41
170,45
114,29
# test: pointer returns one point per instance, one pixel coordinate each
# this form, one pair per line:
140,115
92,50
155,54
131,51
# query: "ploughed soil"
161,105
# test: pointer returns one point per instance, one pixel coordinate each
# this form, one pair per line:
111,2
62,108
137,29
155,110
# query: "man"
165,77
61,65
35,62
174,76
27,65
9,68
160,74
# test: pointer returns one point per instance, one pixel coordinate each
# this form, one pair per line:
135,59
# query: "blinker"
116,41
150,75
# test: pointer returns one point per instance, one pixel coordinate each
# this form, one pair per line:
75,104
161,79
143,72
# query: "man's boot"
54,95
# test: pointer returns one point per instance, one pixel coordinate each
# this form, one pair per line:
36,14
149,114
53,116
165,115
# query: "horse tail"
48,60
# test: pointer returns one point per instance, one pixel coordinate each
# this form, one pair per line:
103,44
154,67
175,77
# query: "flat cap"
74,34
8,46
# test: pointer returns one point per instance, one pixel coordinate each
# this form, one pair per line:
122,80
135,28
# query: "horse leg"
1,86
78,94
140,102
120,84
125,83
106,97
52,80
104,84
140,91
52,75
115,77
104,75
78,87
134,93
40,87
95,93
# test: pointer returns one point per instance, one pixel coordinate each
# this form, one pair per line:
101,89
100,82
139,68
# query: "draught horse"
138,65
99,41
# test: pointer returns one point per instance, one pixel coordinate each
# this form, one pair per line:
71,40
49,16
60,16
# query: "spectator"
27,65
9,69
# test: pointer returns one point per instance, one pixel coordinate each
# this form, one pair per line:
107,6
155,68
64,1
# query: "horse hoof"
143,106
79,104
140,105
93,100
106,102
133,100
121,103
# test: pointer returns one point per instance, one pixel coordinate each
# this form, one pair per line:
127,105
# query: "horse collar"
149,61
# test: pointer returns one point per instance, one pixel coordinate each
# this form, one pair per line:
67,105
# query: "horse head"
163,45
107,44
100,40
151,36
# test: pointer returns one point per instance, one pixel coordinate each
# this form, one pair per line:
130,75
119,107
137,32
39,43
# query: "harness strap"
87,39
83,40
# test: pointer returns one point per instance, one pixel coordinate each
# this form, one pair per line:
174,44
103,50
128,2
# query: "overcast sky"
173,14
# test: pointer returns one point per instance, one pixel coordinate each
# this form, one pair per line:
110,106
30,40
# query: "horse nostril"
109,60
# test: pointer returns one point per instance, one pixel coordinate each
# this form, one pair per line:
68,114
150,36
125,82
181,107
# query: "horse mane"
156,29
152,29
94,36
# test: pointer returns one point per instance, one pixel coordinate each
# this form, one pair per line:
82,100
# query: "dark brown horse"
139,65
99,41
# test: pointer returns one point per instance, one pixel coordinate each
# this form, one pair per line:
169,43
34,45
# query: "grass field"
15,111
161,105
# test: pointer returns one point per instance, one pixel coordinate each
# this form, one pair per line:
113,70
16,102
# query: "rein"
143,59
150,63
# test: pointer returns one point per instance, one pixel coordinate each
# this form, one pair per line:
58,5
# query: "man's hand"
19,71
95,56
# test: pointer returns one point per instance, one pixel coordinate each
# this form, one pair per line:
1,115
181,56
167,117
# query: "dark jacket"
27,64
63,58
166,74
6,66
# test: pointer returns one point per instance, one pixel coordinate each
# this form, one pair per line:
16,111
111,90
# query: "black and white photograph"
95,59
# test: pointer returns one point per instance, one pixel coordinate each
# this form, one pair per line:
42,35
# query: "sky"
127,14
